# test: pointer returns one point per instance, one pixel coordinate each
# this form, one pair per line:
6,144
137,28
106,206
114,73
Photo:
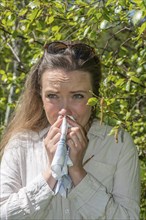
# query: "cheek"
84,113
48,106
84,107
51,108
80,105
51,111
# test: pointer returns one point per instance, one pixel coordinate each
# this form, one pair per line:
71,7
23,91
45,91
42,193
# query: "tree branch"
20,36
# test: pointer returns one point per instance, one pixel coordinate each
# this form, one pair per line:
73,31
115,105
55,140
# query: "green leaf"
128,114
128,85
55,28
125,49
92,101
17,91
130,73
22,11
2,72
142,28
34,14
109,2
50,20
120,82
136,80
86,31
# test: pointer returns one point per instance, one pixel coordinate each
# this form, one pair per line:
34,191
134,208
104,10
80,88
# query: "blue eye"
52,96
78,96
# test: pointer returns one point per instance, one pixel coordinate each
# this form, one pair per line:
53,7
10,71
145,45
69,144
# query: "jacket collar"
98,130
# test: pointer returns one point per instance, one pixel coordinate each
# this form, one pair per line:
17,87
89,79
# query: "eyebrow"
72,92
53,91
79,91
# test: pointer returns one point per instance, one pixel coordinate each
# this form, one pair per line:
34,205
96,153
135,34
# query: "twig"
15,55
113,35
17,58
20,36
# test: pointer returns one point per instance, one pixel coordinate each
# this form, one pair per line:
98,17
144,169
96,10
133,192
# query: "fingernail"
71,117
60,116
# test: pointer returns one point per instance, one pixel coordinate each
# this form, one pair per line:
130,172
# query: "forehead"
60,77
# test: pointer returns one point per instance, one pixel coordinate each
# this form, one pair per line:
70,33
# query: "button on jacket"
110,190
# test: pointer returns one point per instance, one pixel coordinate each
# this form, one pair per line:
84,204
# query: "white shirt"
110,190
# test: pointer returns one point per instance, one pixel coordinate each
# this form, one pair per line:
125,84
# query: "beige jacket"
110,190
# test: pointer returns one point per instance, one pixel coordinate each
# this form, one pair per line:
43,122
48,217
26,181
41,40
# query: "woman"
104,175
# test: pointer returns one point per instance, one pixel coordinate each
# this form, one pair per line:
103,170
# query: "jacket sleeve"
16,201
92,199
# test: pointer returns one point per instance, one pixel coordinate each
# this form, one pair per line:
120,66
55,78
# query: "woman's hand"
52,139
77,142
50,142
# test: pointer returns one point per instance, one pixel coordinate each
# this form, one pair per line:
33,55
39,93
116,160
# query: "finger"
53,132
58,122
54,129
56,139
49,142
73,123
73,136
70,143
77,135
77,145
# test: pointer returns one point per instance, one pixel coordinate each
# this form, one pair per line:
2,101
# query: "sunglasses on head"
82,51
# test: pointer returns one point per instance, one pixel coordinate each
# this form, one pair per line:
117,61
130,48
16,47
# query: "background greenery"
117,31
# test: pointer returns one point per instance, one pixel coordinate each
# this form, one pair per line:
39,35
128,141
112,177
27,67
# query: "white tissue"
60,163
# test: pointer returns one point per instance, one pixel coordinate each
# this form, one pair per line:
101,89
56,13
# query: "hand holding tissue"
60,163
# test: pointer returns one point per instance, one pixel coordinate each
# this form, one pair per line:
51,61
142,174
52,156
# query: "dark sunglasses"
82,51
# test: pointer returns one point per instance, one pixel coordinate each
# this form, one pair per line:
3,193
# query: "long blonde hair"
29,113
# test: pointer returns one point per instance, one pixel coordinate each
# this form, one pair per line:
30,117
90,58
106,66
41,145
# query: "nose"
62,112
65,108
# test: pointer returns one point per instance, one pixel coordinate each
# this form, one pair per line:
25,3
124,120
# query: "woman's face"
66,93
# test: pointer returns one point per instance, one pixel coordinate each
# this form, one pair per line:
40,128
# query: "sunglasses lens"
56,48
82,51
